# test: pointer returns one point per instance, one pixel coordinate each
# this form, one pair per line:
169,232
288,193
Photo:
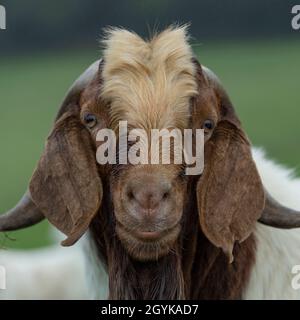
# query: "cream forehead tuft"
149,83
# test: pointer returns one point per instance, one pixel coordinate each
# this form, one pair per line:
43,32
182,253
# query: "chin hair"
147,250
147,271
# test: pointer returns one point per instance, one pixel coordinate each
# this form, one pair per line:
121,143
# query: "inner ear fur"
66,185
230,193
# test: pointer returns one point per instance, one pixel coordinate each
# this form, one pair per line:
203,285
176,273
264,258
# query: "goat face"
148,200
151,85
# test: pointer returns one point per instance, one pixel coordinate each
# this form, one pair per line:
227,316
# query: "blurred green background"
250,45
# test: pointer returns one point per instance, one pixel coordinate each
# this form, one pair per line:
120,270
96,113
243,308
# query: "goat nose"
148,197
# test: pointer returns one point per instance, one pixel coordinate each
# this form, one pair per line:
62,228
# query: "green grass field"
262,79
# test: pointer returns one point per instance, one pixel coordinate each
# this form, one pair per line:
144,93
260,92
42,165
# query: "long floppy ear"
230,193
66,186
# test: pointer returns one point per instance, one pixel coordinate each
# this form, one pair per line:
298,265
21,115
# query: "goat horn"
24,214
279,216
77,87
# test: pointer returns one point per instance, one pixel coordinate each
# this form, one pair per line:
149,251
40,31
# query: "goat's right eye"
90,120
208,125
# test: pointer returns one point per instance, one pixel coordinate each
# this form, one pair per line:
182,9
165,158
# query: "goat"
158,233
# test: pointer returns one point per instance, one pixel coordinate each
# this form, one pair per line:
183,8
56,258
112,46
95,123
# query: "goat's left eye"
90,120
208,125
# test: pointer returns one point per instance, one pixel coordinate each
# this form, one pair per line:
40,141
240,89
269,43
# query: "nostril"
130,195
166,195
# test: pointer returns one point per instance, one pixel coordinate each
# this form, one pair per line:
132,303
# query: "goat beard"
134,280
130,279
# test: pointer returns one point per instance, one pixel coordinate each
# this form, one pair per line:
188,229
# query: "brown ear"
66,186
230,194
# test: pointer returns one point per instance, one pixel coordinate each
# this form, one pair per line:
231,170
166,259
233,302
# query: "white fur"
55,272
277,250
96,275
50,273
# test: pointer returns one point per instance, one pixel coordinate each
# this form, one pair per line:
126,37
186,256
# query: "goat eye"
90,120
208,125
